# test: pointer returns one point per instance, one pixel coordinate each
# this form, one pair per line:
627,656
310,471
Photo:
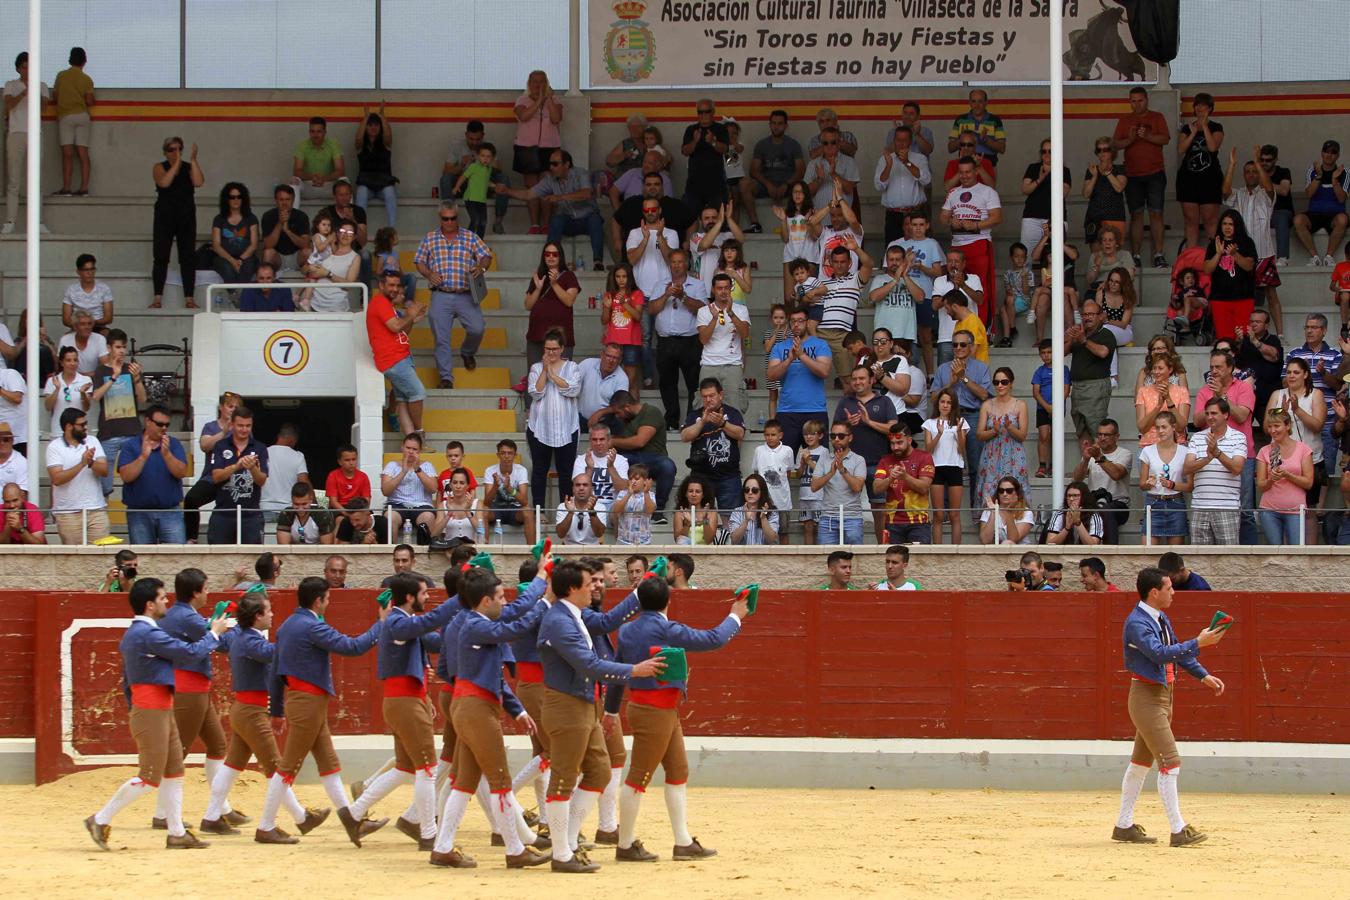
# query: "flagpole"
1057,251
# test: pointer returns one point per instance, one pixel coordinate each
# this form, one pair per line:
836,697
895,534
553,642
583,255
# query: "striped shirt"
1330,358
841,302
451,260
553,414
1215,486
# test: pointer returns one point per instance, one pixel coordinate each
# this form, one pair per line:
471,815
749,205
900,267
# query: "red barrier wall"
856,664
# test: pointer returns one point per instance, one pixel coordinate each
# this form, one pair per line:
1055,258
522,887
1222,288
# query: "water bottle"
497,537
581,263
407,531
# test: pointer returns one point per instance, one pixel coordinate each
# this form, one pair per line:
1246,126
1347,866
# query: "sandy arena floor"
772,842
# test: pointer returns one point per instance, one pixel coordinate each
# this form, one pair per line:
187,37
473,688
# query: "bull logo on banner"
630,48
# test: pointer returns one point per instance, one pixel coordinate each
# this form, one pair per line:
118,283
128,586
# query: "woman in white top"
1006,519
754,522
945,438
1163,479
343,265
457,514
800,232
551,429
66,388
1307,408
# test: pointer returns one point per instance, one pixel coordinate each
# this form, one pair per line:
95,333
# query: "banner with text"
719,43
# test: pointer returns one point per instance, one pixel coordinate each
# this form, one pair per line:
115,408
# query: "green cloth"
649,415
476,178
851,587
320,160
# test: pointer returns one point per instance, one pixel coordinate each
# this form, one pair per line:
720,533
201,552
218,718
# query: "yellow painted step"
491,300
481,378
471,421
421,338
117,511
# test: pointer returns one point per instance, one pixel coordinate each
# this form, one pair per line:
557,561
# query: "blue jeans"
1281,528
112,447
1248,536
159,526
974,447
445,308
661,468
1282,220
388,195
591,224
828,533
729,492
1330,447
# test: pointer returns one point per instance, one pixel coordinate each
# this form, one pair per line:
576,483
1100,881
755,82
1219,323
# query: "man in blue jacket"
149,655
302,684
1152,653
572,674
654,716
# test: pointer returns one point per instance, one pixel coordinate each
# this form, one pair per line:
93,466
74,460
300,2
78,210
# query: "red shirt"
906,507
1111,588
550,312
342,489
1142,157
387,346
32,518
444,481
1340,276
622,328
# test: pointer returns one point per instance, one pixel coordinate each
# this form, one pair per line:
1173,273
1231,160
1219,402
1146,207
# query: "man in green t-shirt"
840,565
643,440
897,558
125,570
317,160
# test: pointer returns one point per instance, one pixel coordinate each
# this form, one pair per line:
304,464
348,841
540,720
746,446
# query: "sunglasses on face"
1000,381
704,112
234,196
158,424
829,143
752,490
1103,149
838,437
551,253
961,343
1007,490
449,218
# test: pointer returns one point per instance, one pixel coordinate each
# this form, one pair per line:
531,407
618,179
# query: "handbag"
478,287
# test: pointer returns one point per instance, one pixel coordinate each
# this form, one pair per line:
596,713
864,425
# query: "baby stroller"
1201,330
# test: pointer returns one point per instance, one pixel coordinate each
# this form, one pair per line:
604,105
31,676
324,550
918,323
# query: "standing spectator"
972,210
648,249
1001,430
73,92
601,377
840,293
1254,202
580,518
23,521
473,185
387,329
1164,481
714,434
990,138
176,181
644,442
1090,368
152,474
1284,475
826,119
1006,518
985,173
1240,400
204,490
1105,466
88,294
775,462
1230,261
634,509
234,236
910,113
120,388
360,527
755,522
1282,219
904,477
550,300
286,467
1307,411
776,164
410,497
628,214
317,160
945,436
16,138
603,466
14,402
302,522
674,312
833,176
75,464
930,262
869,416
554,384
723,327
285,231
800,363
506,491
905,384
568,199
1162,395
1325,363
238,467
622,317
66,388
461,155
705,143
13,464
903,177
1199,174
374,163
1043,392
1217,457
1142,134
843,485
263,297
346,482
1261,353
1073,523
1037,188
539,116
973,384
1104,186
449,259
966,320
1327,184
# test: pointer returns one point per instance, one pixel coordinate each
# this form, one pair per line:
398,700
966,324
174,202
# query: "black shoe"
423,534
599,267
470,361
660,519
753,228
445,385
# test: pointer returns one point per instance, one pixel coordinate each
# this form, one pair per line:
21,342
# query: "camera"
1017,576
129,572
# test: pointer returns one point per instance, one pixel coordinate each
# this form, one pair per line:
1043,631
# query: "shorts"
1314,493
408,388
815,312
504,514
910,533
1321,221
809,510
1202,189
73,129
948,476
530,160
1146,191
1043,418
1267,274
924,315
410,512
1021,304
632,354
734,182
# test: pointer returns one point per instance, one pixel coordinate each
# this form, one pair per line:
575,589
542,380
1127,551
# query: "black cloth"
1155,26
868,443
1037,205
707,169
175,222
346,534
299,224
629,215
375,165
180,192
1085,365
678,357
1283,201
1268,374
1230,281
722,454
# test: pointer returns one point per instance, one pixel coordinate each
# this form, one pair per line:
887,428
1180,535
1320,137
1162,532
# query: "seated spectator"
152,471
335,571
506,491
1327,184
569,201
1186,308
1006,518
286,467
23,521
285,232
776,164
1182,578
581,518
347,482
903,480
461,155
374,160
408,485
14,402
695,519
342,265
75,463
605,467
303,522
1074,524
644,441
630,184
842,483
91,346
1284,475
238,467
755,522
454,459
1164,481
88,294
389,318
1093,572
627,154
13,464
896,561
458,517
263,297
235,236
359,526
1217,457
714,433
317,161
601,379
120,391
840,566
633,509
343,209
1106,466
122,574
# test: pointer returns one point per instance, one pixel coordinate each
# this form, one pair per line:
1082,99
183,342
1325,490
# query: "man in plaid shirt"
449,259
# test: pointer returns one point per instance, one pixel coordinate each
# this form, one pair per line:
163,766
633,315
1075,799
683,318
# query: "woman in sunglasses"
343,264
1006,519
551,295
1163,481
1002,426
754,522
1104,188
234,236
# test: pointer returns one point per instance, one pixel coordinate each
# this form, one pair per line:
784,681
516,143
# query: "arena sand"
812,843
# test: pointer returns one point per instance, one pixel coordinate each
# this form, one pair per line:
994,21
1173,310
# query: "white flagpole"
1057,250
32,280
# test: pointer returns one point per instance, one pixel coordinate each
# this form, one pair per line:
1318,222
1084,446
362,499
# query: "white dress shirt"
903,189
553,414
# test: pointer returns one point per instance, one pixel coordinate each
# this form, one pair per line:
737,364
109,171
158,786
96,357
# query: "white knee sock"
336,791
451,816
609,800
292,804
1167,790
424,798
582,804
483,795
523,831
377,790
541,794
526,774
276,789
675,806
559,814
172,789
443,793
220,791
411,814
630,801
1130,787
384,767
503,819
442,775
130,791
213,767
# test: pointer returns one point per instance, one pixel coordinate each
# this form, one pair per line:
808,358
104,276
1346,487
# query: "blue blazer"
447,667
652,629
571,665
524,648
188,625
482,650
304,642
252,660
149,654
401,651
1147,656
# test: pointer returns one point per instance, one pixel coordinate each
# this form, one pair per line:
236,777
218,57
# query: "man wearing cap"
13,464
1326,187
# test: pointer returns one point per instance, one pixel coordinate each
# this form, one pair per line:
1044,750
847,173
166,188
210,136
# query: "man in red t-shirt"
387,325
346,481
904,475
1142,135
23,521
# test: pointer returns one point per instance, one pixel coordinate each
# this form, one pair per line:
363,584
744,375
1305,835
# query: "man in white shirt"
841,290
600,378
1218,455
605,467
902,177
722,327
91,345
972,209
581,517
959,277
286,468
706,240
678,351
649,247
75,464
13,464
16,139
1254,200
14,402
832,175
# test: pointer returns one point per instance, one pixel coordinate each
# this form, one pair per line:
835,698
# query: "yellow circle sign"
286,352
